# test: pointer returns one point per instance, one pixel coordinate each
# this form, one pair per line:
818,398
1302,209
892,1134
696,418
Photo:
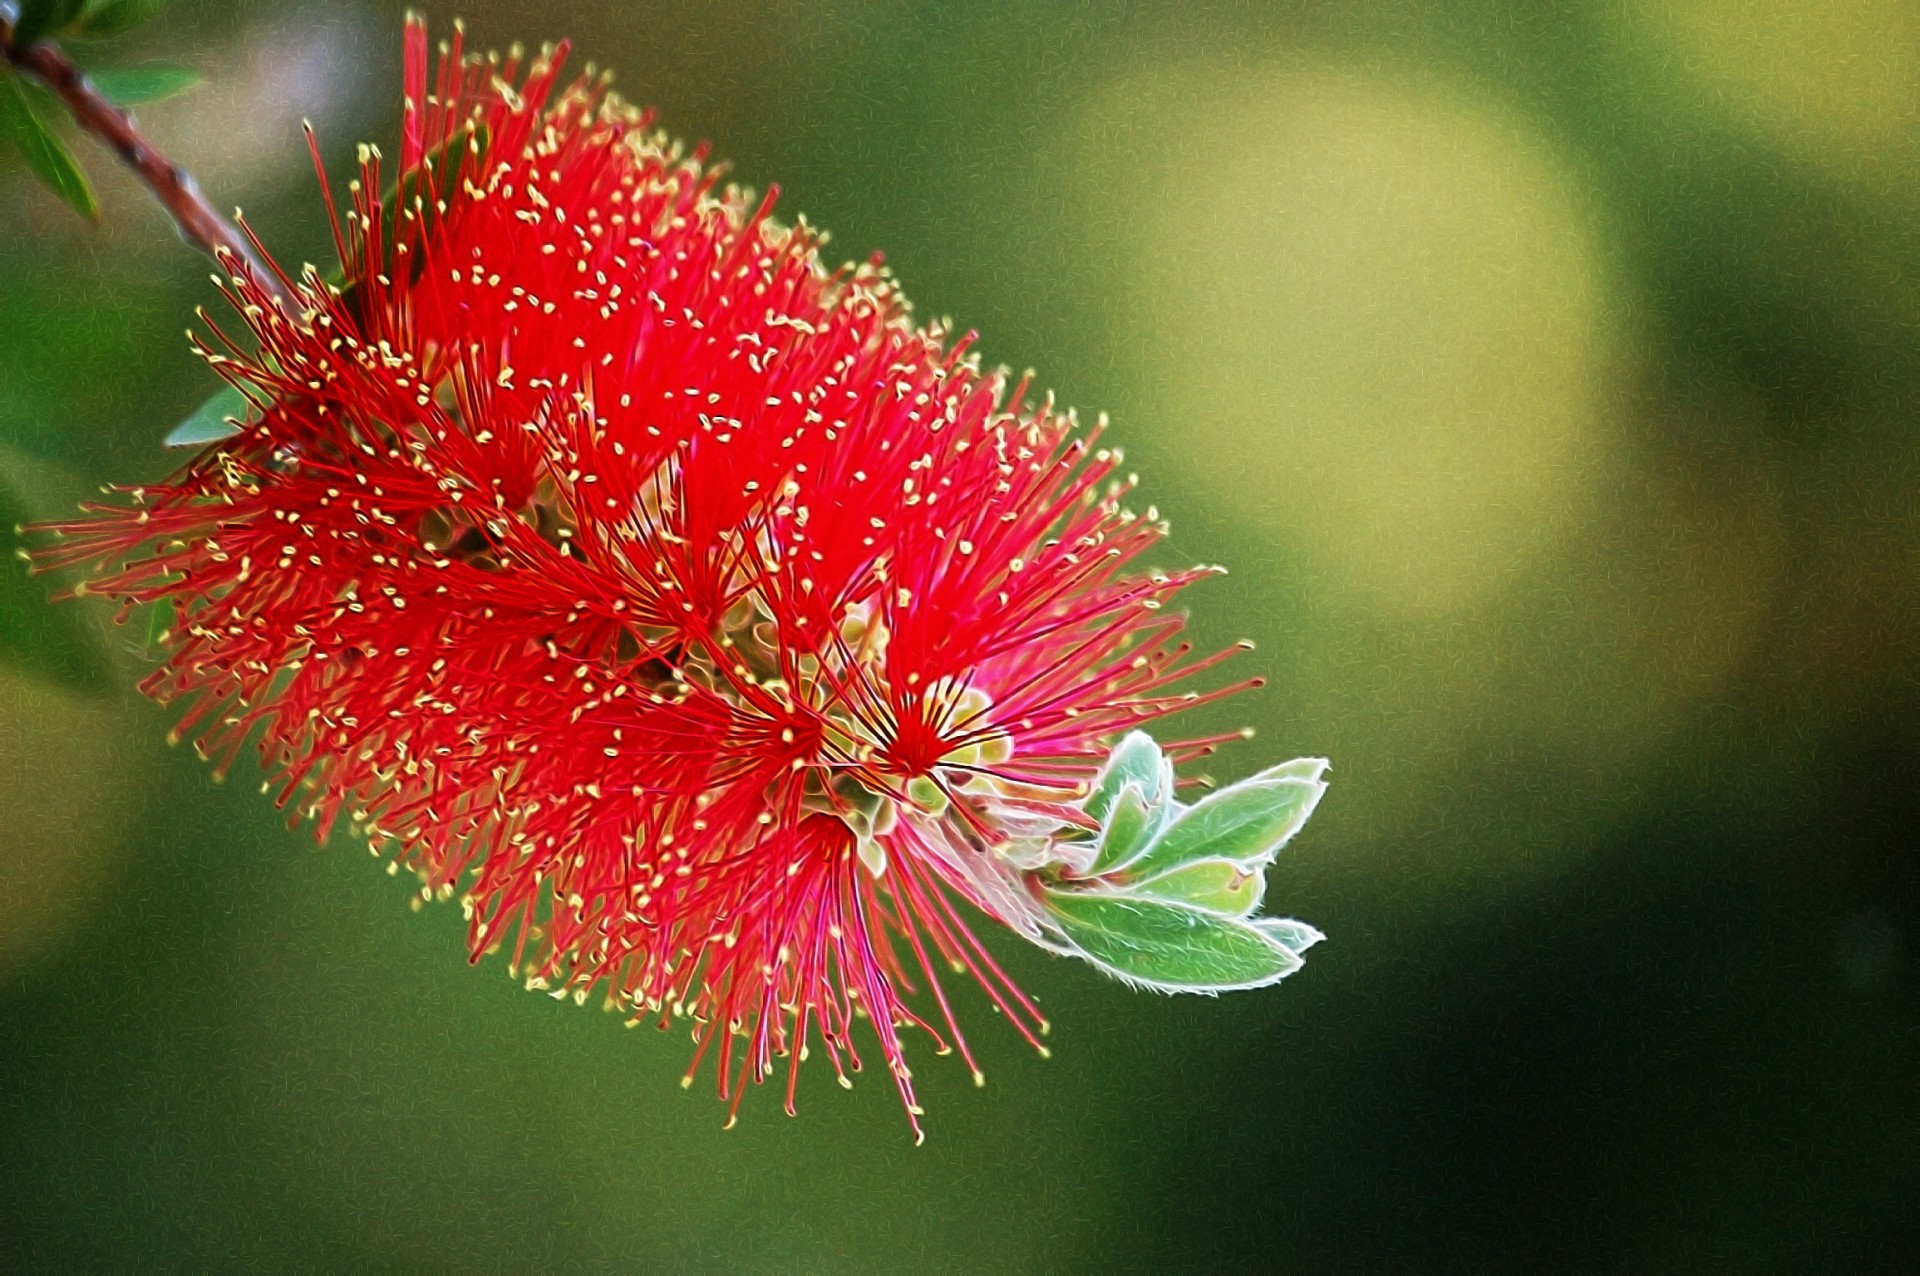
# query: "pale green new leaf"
1132,798
1246,822
45,153
1171,947
1130,827
1312,770
1136,760
1294,935
1220,886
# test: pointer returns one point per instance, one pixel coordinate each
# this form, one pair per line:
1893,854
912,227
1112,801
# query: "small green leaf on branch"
218,418
110,17
42,18
45,153
139,85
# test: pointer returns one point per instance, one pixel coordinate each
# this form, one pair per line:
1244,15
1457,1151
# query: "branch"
172,185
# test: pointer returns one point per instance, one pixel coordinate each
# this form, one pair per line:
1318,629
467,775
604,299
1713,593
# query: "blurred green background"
1547,376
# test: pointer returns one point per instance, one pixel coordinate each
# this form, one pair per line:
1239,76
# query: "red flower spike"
700,620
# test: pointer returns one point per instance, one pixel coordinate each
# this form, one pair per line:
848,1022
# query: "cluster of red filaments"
714,632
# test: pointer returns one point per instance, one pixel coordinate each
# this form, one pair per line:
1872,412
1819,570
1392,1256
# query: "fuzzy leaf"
1246,822
1129,828
42,18
212,421
1136,759
1220,886
35,635
45,153
1296,936
138,85
1312,770
110,17
1170,947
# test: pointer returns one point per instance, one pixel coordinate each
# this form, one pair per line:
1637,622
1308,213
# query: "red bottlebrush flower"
710,628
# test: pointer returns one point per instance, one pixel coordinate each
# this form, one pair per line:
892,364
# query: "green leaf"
1130,827
1131,798
1311,770
1247,822
45,639
42,18
1169,946
213,420
1293,935
110,17
1136,759
1219,886
46,154
138,85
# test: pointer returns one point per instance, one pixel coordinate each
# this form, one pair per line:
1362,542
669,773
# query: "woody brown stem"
172,185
